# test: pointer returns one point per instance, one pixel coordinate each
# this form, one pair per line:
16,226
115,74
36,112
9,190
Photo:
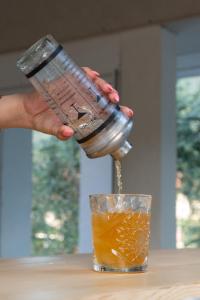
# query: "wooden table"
172,275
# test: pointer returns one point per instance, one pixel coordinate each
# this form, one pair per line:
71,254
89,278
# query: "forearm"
12,112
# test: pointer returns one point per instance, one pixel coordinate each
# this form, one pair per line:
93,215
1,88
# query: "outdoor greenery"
188,153
55,195
191,230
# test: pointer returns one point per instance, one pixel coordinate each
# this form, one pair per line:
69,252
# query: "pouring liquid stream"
118,169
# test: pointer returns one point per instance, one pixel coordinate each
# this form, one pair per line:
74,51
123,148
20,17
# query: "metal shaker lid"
122,151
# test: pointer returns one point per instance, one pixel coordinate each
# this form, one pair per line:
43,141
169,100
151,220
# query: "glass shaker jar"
100,127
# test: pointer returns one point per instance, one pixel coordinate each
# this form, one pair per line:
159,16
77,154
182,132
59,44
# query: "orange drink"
120,235
121,239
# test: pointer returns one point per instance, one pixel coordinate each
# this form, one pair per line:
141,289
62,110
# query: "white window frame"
188,65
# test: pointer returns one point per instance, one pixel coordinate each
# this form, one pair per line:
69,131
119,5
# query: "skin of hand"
41,118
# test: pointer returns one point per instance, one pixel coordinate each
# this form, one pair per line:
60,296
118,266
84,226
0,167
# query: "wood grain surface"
172,275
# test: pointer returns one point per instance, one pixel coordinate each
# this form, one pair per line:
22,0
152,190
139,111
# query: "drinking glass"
121,231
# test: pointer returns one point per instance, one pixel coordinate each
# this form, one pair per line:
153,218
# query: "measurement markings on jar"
67,98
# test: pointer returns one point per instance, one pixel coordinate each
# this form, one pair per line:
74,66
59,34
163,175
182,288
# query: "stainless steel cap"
122,151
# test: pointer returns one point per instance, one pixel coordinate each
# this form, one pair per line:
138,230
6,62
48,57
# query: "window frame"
188,65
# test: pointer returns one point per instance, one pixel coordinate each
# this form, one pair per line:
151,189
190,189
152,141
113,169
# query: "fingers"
127,111
107,89
91,73
103,86
64,132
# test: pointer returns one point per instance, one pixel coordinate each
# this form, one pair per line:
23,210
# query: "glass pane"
55,179
188,162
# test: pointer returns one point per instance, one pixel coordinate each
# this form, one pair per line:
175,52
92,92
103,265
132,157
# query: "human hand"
42,118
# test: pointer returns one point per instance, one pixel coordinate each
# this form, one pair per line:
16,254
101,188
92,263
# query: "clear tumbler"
121,231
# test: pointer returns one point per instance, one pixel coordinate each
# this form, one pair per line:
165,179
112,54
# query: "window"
55,179
188,162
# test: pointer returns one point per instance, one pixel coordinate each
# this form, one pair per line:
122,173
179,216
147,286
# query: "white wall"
15,193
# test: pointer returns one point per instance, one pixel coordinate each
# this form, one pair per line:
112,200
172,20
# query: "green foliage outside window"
55,195
188,154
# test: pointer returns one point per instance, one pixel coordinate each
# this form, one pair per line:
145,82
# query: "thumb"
63,132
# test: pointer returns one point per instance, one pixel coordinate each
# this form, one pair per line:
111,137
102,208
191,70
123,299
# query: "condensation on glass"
100,127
